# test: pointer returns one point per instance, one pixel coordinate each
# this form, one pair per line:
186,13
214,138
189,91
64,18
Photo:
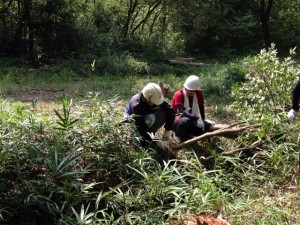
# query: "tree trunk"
29,28
151,9
18,47
265,11
131,9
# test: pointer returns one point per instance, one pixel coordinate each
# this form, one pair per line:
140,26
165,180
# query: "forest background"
68,67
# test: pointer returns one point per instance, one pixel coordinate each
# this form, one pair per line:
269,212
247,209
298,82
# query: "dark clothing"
296,96
181,110
138,108
185,128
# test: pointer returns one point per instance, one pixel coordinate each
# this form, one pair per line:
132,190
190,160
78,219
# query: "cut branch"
230,130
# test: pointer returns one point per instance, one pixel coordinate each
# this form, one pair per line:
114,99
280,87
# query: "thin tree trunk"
28,23
149,13
265,11
18,41
131,9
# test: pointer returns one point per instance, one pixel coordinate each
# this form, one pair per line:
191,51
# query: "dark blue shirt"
138,107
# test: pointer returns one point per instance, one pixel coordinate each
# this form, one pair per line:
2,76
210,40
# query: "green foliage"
168,191
48,181
263,99
122,64
43,30
217,28
59,174
217,80
268,86
87,172
287,17
65,121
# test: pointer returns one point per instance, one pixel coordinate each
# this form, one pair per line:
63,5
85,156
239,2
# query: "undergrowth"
76,164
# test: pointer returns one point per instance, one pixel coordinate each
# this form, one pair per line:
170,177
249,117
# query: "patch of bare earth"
45,100
37,95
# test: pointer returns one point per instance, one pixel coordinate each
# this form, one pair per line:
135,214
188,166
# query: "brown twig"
220,132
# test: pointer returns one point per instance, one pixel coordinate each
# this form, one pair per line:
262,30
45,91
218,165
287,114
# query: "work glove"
292,115
177,139
211,122
200,123
167,135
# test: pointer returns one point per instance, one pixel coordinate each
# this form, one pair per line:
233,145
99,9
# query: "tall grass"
74,164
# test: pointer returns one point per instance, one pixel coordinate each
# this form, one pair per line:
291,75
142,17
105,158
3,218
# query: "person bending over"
150,112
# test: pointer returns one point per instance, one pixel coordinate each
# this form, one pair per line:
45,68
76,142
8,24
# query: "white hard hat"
153,93
192,82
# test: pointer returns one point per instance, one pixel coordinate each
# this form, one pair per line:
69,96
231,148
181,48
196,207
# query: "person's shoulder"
135,100
199,91
179,92
136,97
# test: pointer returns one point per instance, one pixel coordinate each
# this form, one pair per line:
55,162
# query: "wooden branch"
221,132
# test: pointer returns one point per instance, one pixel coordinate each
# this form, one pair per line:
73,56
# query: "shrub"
267,90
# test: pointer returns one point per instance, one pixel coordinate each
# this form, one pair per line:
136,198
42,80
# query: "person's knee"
182,126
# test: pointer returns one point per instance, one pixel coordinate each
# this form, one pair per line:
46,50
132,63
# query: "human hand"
200,123
167,135
211,122
292,115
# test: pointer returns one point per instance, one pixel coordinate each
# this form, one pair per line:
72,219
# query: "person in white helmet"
150,112
188,105
294,112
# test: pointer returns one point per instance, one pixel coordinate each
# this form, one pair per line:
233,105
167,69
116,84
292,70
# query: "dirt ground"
37,95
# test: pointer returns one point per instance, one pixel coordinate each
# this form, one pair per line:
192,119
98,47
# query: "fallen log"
174,62
226,131
186,61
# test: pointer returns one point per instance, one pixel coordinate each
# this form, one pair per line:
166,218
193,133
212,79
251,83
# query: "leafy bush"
264,99
268,86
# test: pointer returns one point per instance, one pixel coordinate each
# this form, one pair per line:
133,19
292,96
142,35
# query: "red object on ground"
203,219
